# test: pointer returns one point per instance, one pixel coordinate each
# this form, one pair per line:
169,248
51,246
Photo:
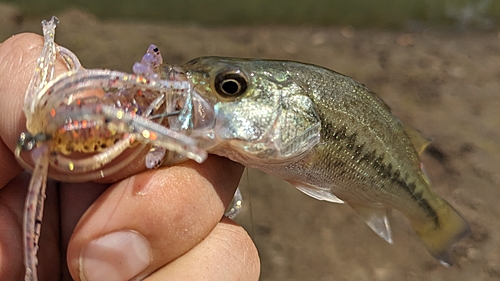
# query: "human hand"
164,224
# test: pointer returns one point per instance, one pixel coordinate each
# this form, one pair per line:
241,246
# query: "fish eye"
230,84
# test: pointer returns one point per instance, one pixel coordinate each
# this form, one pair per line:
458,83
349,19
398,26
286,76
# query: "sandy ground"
444,83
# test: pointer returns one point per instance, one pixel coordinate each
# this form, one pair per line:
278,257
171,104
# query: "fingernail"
116,256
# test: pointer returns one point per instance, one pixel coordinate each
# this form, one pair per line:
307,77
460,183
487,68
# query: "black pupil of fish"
231,84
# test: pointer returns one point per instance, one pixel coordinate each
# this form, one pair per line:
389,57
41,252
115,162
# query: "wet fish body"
328,135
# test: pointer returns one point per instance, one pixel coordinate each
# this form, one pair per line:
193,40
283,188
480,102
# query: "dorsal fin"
419,141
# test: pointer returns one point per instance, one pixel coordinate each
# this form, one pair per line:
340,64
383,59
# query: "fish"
325,133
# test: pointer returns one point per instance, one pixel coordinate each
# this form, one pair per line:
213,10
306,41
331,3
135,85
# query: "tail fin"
439,235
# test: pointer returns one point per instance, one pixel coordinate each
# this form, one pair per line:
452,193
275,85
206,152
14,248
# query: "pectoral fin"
317,193
377,220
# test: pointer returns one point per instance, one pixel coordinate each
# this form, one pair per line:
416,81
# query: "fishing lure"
131,110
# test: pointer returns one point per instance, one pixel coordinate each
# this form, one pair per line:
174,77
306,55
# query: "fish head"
260,112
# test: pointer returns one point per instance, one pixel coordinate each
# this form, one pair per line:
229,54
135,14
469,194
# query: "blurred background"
436,63
382,13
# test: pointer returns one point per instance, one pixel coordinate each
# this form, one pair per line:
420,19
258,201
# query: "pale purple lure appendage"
44,70
148,68
36,191
34,211
149,63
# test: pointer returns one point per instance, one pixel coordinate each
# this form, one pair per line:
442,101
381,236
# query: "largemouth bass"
326,134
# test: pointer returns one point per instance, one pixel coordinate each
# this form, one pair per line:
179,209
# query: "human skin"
163,224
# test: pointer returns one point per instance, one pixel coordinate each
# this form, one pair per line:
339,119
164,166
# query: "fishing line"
252,227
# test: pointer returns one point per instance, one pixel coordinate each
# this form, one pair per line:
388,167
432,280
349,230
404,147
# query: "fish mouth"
195,113
195,116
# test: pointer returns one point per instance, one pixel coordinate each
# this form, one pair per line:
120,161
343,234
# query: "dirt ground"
445,83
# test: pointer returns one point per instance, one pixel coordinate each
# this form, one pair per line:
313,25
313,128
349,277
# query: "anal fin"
317,192
376,219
